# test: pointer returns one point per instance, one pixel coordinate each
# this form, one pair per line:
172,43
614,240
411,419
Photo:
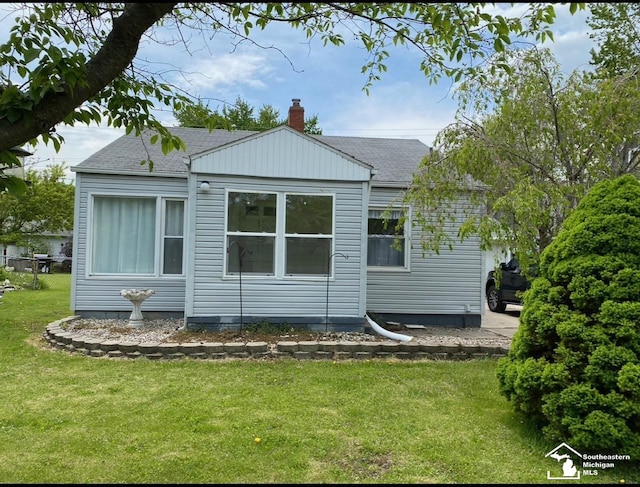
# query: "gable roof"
394,159
281,152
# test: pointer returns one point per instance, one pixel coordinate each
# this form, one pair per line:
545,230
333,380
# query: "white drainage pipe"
389,334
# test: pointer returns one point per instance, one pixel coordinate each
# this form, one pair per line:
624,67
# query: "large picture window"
382,233
279,233
125,236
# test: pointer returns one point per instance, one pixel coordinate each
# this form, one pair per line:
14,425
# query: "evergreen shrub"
574,363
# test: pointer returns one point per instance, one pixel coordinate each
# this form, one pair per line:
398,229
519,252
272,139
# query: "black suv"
512,282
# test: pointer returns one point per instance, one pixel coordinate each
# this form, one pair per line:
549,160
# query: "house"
18,170
275,225
53,245
54,253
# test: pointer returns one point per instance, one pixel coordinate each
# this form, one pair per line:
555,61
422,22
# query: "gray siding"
217,296
445,284
102,293
281,153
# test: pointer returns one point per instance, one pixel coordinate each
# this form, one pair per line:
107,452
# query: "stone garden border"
314,350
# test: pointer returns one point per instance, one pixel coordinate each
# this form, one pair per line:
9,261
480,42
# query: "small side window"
381,249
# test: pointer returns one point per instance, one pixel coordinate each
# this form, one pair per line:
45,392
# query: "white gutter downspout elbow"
389,334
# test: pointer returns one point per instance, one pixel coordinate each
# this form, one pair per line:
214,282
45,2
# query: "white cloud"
221,72
395,111
571,43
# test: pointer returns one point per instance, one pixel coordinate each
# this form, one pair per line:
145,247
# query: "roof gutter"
90,170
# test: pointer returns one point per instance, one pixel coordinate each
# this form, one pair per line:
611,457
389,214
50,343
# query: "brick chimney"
296,115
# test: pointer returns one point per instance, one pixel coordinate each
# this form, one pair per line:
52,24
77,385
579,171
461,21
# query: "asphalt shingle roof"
394,159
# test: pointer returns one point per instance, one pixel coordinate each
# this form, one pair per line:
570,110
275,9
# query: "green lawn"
74,419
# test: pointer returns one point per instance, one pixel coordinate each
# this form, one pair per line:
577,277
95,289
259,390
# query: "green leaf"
31,54
12,184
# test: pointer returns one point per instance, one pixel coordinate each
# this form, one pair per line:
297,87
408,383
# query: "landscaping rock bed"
163,339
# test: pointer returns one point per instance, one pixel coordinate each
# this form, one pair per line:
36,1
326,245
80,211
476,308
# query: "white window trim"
330,237
158,243
407,241
164,236
280,237
227,234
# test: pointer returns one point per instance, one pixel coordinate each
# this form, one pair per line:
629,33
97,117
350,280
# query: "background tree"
240,116
46,206
534,142
76,62
616,30
574,363
199,115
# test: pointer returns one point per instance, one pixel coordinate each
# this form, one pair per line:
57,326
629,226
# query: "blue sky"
328,81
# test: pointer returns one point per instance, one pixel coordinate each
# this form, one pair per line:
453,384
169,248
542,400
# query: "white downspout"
190,241
389,334
376,327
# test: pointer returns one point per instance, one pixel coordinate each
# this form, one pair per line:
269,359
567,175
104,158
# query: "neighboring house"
53,245
245,226
17,171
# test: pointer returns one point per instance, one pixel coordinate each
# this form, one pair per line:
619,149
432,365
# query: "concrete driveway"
505,323
500,324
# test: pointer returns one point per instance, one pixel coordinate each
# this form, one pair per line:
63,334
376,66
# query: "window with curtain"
125,235
382,233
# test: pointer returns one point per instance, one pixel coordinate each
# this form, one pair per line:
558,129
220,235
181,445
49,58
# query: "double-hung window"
308,234
279,234
251,233
173,237
383,231
137,235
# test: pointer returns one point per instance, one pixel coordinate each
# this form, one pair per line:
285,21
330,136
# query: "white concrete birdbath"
136,296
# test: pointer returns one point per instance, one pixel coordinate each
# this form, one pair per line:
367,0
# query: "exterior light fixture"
204,186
